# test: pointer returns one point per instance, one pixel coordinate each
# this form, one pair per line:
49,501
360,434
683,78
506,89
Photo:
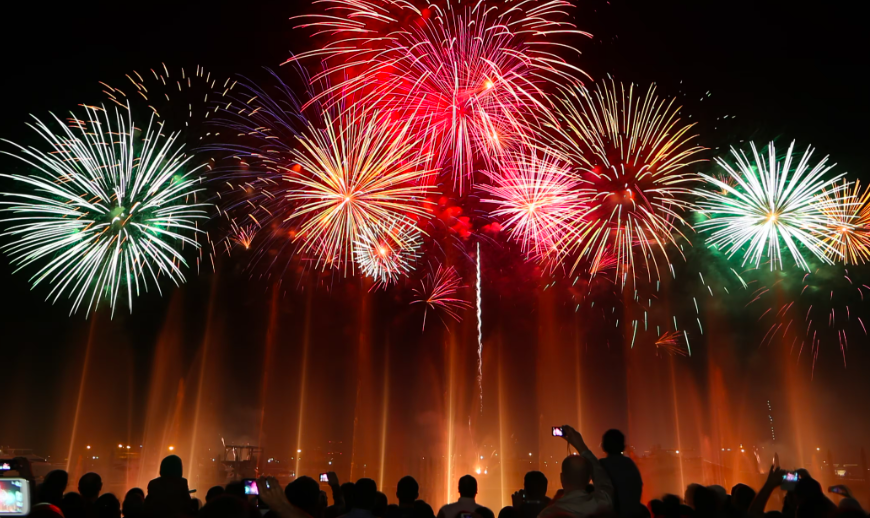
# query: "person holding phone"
577,471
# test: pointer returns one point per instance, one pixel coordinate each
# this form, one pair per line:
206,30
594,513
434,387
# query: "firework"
772,202
104,210
357,174
173,95
535,195
847,211
438,292
469,72
633,155
805,311
669,342
243,234
385,254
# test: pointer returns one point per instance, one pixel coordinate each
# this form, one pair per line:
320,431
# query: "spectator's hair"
52,487
134,503
365,494
135,491
237,489
107,506
90,486
535,484
423,510
468,486
213,492
576,472
741,497
613,442
73,505
304,493
407,490
348,492
381,504
171,466
509,512
226,506
706,502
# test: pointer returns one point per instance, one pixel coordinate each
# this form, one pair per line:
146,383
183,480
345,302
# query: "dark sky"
784,69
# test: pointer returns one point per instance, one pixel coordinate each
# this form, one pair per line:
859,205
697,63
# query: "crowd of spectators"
590,487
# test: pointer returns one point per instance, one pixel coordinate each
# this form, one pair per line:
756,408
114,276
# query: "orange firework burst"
357,174
633,155
847,209
385,254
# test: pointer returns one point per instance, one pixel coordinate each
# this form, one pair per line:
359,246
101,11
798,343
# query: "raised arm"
600,478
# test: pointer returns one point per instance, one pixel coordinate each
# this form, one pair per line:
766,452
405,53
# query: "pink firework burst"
535,195
438,293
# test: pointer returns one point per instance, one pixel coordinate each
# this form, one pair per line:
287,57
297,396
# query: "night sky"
784,69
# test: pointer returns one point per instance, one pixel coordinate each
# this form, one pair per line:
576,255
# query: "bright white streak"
479,334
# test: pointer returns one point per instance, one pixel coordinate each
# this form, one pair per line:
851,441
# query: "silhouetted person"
364,499
304,493
52,488
484,512
811,501
509,511
466,502
45,510
706,503
228,506
134,504
344,504
533,498
741,498
423,510
73,505
407,491
381,503
168,494
213,493
577,471
624,475
107,506
90,486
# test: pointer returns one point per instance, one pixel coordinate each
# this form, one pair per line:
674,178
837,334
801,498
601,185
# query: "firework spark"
357,174
104,209
633,154
535,194
847,210
243,234
385,254
469,72
438,293
772,202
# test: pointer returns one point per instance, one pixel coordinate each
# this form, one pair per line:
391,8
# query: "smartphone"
789,480
14,497
8,465
250,486
839,490
324,477
557,431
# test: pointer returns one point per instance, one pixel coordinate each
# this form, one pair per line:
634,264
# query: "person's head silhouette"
468,486
613,442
